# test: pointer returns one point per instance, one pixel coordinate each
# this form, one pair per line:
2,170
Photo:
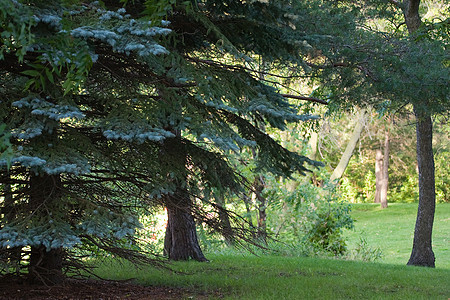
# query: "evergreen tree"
121,112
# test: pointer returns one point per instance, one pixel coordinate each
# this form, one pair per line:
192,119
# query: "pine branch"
237,68
311,99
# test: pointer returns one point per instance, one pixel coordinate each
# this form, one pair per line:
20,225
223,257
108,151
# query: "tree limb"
311,99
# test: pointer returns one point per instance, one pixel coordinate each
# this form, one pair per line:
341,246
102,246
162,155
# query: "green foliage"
311,215
16,23
358,183
364,252
5,145
119,114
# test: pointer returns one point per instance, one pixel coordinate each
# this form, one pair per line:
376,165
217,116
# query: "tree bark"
45,265
180,242
385,172
345,159
422,253
378,175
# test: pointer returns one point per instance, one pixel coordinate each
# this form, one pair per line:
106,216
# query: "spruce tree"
110,110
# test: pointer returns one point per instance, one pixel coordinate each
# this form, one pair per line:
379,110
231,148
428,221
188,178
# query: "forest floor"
96,289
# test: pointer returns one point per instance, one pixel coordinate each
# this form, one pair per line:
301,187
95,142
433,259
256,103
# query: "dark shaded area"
94,289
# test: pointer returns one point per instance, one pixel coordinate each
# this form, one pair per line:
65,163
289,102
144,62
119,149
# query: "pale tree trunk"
45,265
378,175
345,159
385,172
261,204
313,141
422,252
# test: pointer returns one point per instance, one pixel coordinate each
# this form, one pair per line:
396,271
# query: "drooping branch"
237,67
311,99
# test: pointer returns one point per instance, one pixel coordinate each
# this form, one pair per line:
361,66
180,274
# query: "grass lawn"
271,277
276,277
392,230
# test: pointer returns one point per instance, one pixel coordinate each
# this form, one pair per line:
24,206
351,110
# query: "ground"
95,289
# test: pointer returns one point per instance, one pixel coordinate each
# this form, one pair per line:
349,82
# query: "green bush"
310,215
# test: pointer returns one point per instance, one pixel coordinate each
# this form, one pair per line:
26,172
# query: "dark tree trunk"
378,175
45,265
422,253
181,241
8,211
385,172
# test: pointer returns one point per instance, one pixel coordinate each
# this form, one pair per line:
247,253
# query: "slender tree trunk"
45,264
422,253
345,159
180,241
378,175
227,231
8,212
259,183
261,203
248,204
385,172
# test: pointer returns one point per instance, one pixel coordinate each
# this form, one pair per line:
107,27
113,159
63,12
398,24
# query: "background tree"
399,69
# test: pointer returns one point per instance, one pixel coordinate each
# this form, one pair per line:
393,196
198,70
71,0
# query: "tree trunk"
422,252
248,204
225,224
345,159
14,253
45,264
181,241
385,172
378,175
261,206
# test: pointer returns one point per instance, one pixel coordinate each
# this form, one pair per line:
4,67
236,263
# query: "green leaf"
28,84
32,73
49,76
